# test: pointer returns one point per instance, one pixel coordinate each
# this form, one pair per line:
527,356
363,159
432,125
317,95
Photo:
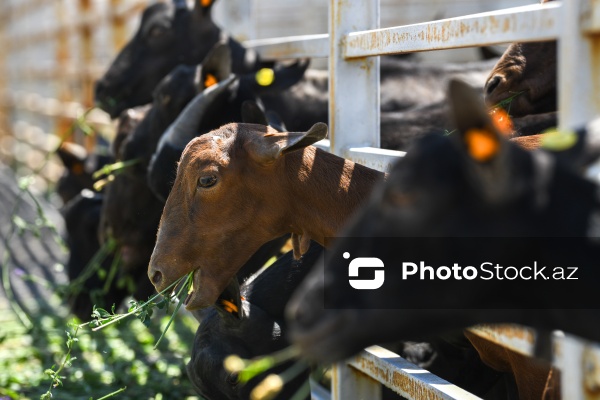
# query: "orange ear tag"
481,144
210,80
206,3
229,306
501,121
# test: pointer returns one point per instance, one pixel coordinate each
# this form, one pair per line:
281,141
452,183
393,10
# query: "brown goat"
242,185
528,72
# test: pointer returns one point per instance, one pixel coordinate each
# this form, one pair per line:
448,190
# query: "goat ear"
275,121
252,113
476,133
269,147
216,66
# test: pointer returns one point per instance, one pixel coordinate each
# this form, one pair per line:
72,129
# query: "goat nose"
492,84
156,277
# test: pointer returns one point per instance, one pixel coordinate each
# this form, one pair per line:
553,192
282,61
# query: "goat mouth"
193,299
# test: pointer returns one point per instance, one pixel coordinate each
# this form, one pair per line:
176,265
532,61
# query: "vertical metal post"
353,84
579,364
119,32
350,384
62,54
578,103
87,58
4,106
578,60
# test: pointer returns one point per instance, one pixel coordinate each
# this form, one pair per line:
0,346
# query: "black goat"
257,329
169,35
452,199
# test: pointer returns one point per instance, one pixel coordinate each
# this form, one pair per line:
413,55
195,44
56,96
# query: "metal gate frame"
353,44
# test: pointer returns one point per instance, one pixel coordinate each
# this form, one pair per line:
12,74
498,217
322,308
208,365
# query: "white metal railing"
354,41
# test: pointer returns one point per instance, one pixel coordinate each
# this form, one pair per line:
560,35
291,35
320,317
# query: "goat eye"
233,379
207,181
157,31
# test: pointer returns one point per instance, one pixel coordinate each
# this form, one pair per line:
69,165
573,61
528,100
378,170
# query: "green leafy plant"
102,318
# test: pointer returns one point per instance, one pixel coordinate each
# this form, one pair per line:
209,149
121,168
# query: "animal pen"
351,46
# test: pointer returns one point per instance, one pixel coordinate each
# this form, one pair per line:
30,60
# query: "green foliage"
99,363
39,359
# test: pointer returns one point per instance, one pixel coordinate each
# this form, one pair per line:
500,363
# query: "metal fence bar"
67,70
348,383
519,339
87,55
19,10
529,23
578,103
62,54
4,109
579,92
85,21
118,23
579,365
403,377
353,108
376,158
307,46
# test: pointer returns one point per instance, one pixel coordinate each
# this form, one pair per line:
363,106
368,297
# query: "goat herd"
221,174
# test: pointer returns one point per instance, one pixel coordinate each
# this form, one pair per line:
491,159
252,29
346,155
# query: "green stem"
184,286
118,166
66,358
111,273
136,309
116,392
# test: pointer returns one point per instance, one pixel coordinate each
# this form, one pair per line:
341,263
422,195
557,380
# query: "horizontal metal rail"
372,157
517,338
403,377
291,47
528,23
19,10
91,21
70,71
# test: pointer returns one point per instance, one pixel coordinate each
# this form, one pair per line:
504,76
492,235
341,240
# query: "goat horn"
184,128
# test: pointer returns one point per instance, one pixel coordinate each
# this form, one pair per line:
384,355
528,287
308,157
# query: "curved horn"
183,129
